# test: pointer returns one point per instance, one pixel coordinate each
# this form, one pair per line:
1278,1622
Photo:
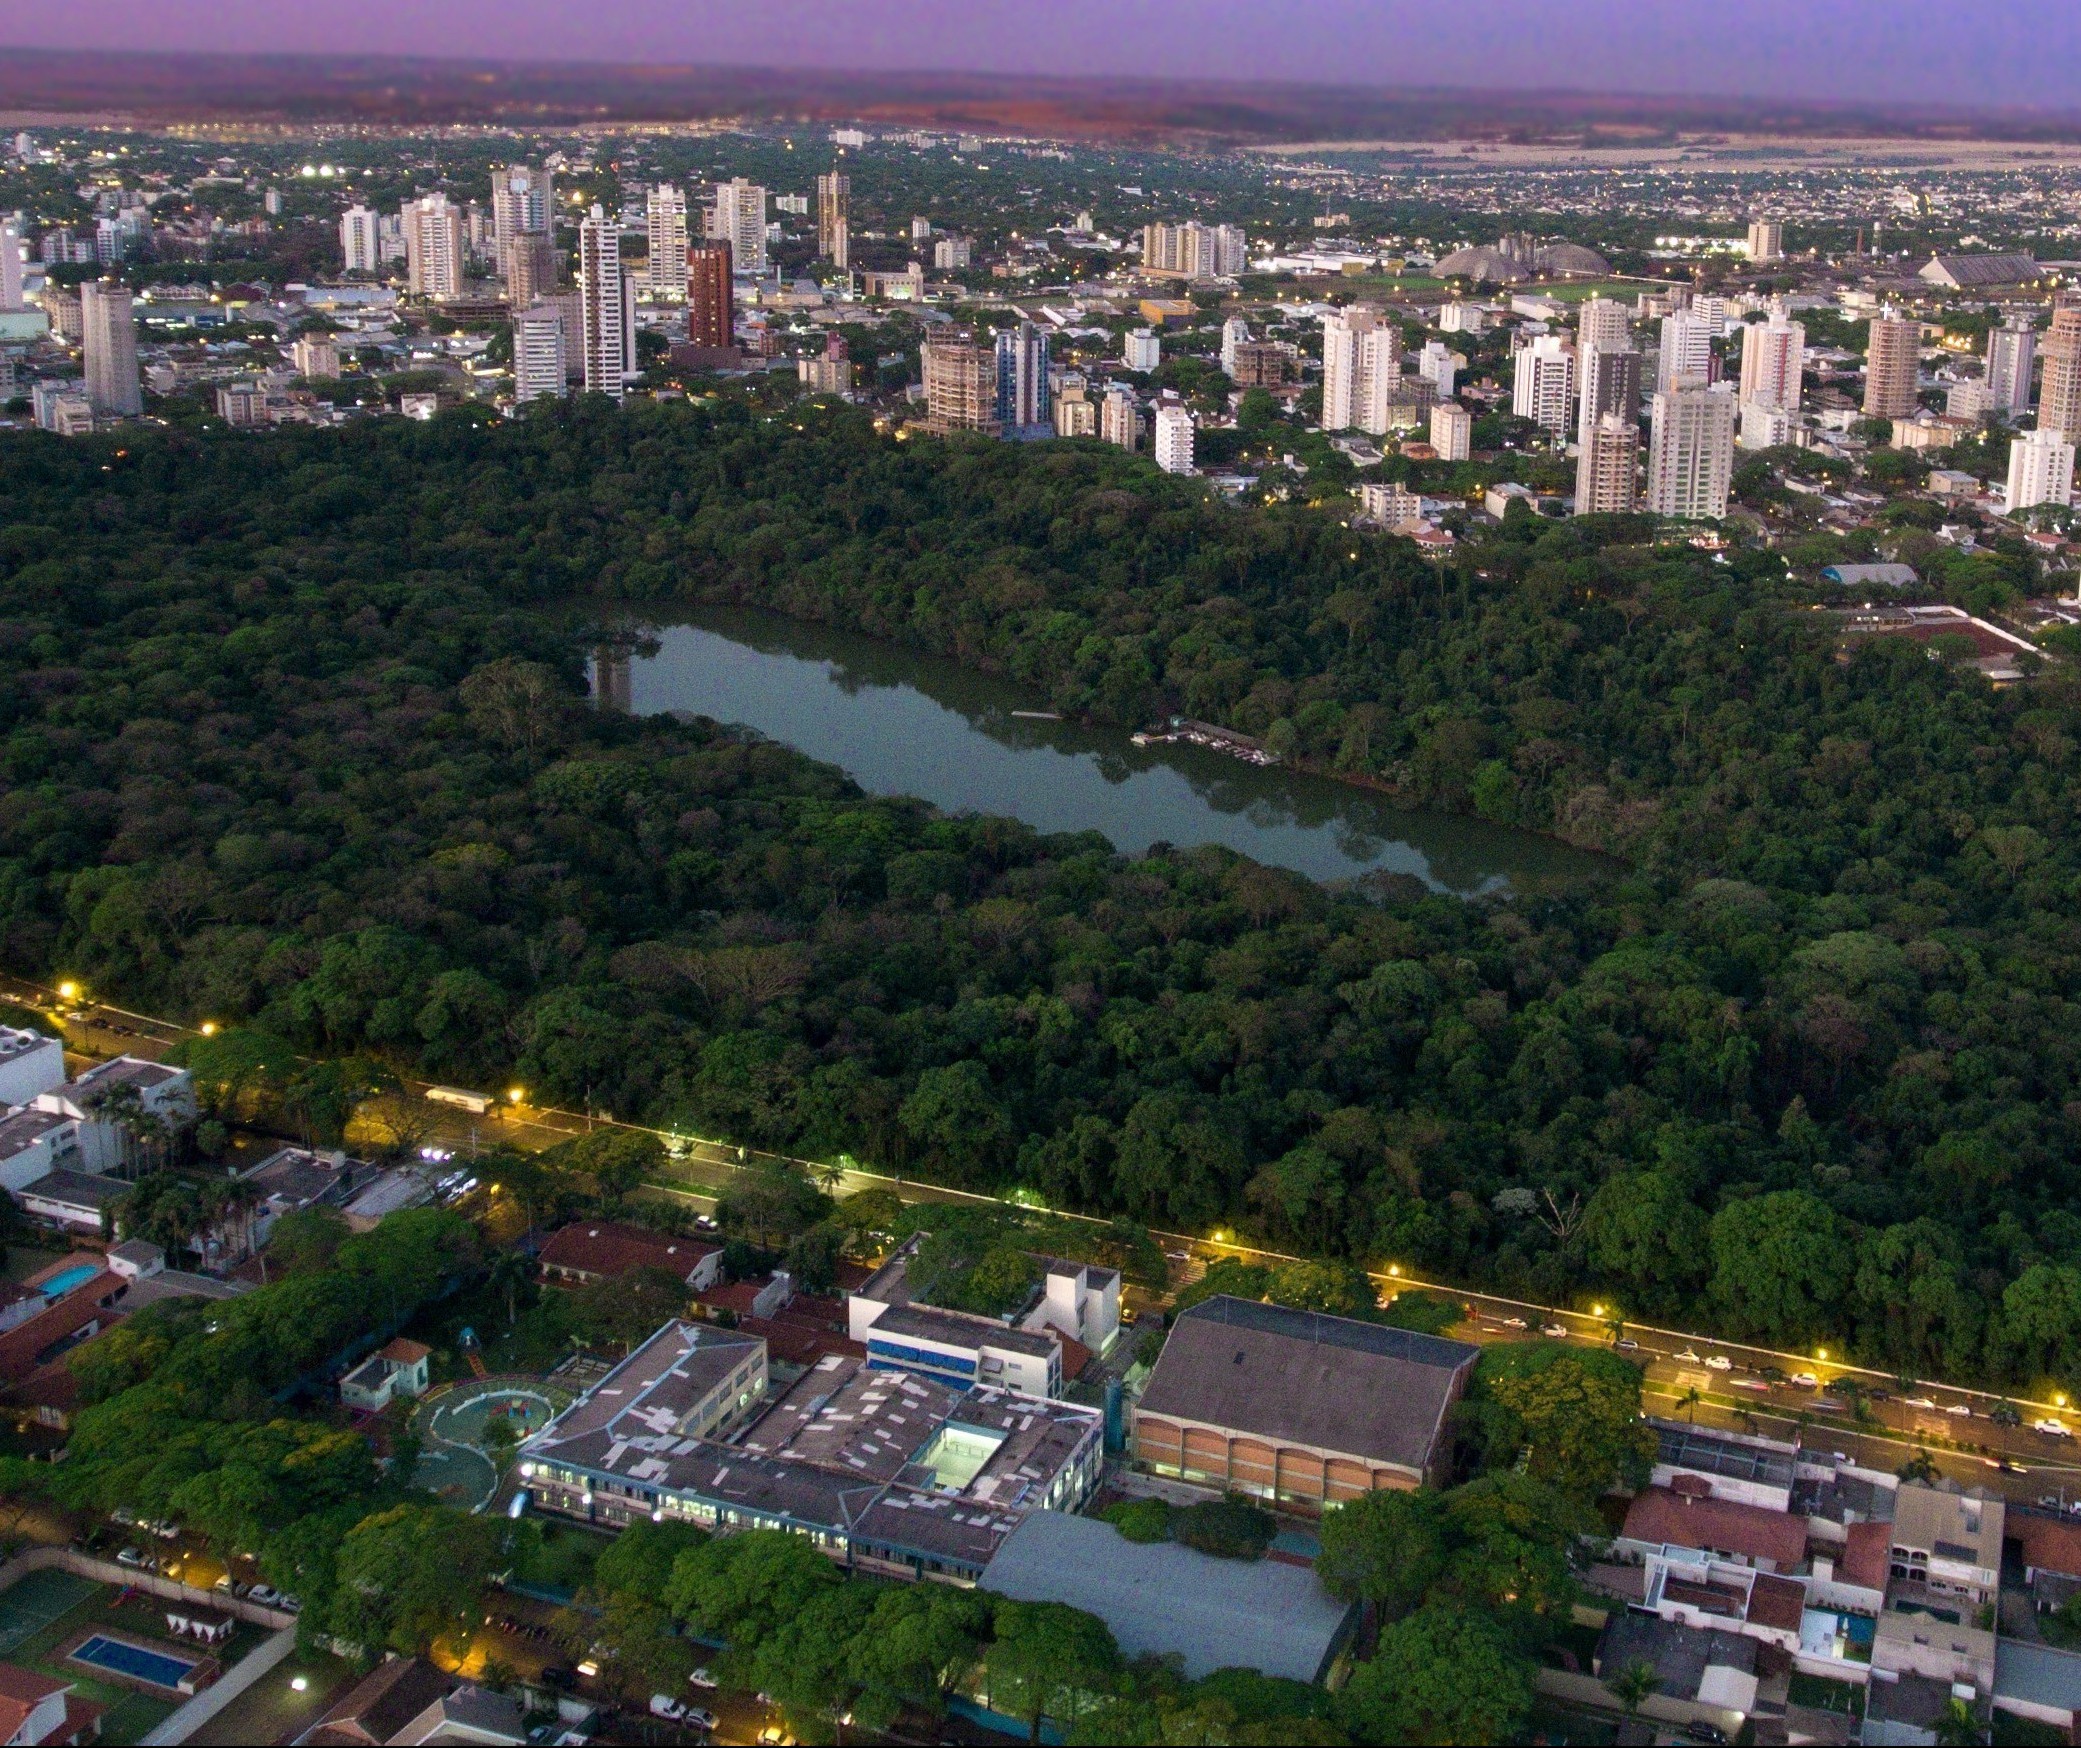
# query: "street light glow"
68,989
516,1094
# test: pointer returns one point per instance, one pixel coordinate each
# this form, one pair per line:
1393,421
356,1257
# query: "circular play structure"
458,1426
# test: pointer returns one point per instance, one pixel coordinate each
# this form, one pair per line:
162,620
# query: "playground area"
468,1431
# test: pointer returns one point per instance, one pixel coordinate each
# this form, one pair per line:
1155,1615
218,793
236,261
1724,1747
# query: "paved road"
1738,1385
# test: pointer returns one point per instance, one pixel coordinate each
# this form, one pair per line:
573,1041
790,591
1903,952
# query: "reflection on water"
903,723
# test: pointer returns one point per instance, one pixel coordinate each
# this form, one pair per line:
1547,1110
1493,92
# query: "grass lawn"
271,1710
23,1260
563,1560
1824,1695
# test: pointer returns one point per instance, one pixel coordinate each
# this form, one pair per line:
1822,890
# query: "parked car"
1626,1344
2050,1427
701,1678
133,1557
289,1604
1918,1402
663,1705
1964,1410
1719,1363
1804,1381
700,1719
1554,1331
266,1595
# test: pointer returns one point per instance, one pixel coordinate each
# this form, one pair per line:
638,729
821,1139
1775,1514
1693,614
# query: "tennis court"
40,1600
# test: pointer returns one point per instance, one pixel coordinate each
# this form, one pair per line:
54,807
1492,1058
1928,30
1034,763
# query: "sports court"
40,1600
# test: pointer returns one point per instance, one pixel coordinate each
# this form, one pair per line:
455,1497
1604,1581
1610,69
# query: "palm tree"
1633,1685
510,1271
1956,1727
1689,1401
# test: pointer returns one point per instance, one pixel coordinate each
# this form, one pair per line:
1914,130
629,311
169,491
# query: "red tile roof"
404,1352
607,1249
1869,1554
1718,1525
22,1347
2048,1544
1777,1602
21,1692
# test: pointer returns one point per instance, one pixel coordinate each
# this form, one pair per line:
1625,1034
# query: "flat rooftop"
1161,1599
1735,1459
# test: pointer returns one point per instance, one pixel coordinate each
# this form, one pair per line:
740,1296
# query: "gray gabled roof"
1301,1377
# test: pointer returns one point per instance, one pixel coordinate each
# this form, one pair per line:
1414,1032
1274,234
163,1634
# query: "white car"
1515,1323
266,1595
1964,1410
663,1705
133,1557
2049,1427
1919,1401
1555,1331
1687,1358
701,1678
1719,1363
1804,1381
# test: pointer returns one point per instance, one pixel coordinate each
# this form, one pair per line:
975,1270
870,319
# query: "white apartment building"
1437,365
1462,318
1234,332
11,296
665,228
361,240
434,247
1119,423
1543,386
1607,469
541,353
739,219
2041,471
1361,369
607,307
1452,431
1686,348
1173,439
1691,450
1773,360
1765,426
2012,351
1142,350
1766,241
108,337
522,199
316,357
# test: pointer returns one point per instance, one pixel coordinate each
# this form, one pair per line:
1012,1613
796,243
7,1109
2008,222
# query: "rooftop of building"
1678,1654
1948,1525
2037,1675
612,1248
2050,1544
1331,1383
1728,1456
124,1071
886,1456
1689,1518
85,1190
960,1329
25,1128
1162,1599
644,1400
297,1177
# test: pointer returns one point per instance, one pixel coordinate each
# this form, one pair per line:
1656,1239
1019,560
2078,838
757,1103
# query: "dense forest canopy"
292,732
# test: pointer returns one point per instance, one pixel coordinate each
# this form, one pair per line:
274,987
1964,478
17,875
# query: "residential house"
398,1368
605,1250
1704,1680
408,1700
1684,1517
30,1063
128,1111
36,1709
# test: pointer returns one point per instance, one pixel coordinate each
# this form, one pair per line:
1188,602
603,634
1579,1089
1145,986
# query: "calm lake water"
904,723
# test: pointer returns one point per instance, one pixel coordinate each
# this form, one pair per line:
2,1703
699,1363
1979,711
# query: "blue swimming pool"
158,1667
61,1284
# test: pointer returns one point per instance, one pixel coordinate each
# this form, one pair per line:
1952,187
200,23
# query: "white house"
399,1368
30,1064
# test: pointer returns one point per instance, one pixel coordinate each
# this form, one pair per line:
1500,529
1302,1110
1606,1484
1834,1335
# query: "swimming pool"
161,1668
61,1284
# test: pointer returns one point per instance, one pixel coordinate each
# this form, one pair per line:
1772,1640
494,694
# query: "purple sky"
2011,52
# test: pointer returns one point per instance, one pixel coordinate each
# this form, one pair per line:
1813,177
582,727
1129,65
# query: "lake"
901,722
